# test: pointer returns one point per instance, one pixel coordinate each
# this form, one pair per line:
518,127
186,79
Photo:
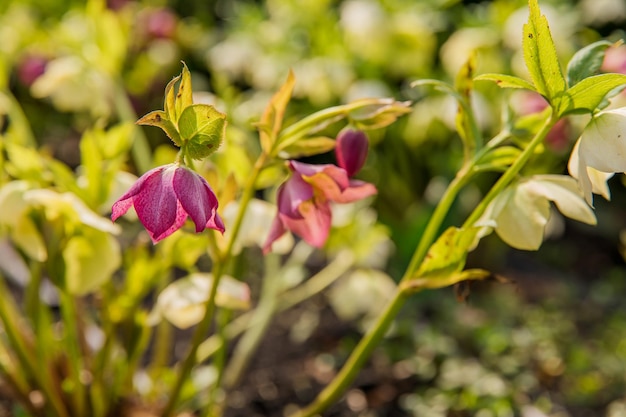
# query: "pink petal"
193,192
357,190
121,206
314,226
181,217
293,193
156,204
276,231
351,150
216,223
333,182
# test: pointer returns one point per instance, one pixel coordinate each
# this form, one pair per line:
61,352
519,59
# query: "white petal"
564,192
603,142
522,221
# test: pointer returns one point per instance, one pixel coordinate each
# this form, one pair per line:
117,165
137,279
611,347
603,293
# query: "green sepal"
160,119
202,129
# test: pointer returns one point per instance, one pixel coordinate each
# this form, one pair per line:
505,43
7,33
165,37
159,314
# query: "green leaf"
376,113
160,119
446,257
90,260
169,105
586,62
464,84
183,302
308,147
589,93
184,96
202,128
540,55
272,119
498,159
506,81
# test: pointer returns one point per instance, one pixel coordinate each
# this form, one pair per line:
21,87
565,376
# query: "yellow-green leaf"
272,119
540,55
308,147
506,81
90,260
160,119
589,93
183,302
446,256
170,100
184,96
203,128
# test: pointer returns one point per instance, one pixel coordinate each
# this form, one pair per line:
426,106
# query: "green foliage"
540,56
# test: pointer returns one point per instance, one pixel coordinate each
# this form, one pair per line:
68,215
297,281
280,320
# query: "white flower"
600,152
520,213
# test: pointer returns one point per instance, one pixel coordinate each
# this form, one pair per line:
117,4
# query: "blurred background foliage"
549,341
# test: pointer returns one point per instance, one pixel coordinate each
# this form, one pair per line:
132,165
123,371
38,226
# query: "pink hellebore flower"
163,198
304,199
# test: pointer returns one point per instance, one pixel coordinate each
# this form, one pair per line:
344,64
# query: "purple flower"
304,199
163,198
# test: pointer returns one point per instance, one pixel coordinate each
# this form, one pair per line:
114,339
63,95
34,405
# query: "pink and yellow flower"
304,199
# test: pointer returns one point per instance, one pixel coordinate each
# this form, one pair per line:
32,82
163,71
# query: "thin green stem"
162,336
213,408
142,155
220,263
19,337
359,355
314,285
261,320
75,355
511,173
436,220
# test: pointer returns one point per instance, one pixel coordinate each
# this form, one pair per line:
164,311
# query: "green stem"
162,336
314,285
142,155
213,408
353,365
75,355
348,372
511,173
261,320
219,265
18,336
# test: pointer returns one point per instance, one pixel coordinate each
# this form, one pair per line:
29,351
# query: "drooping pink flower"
304,199
165,196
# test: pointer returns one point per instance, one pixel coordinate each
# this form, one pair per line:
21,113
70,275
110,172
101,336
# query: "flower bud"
351,150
